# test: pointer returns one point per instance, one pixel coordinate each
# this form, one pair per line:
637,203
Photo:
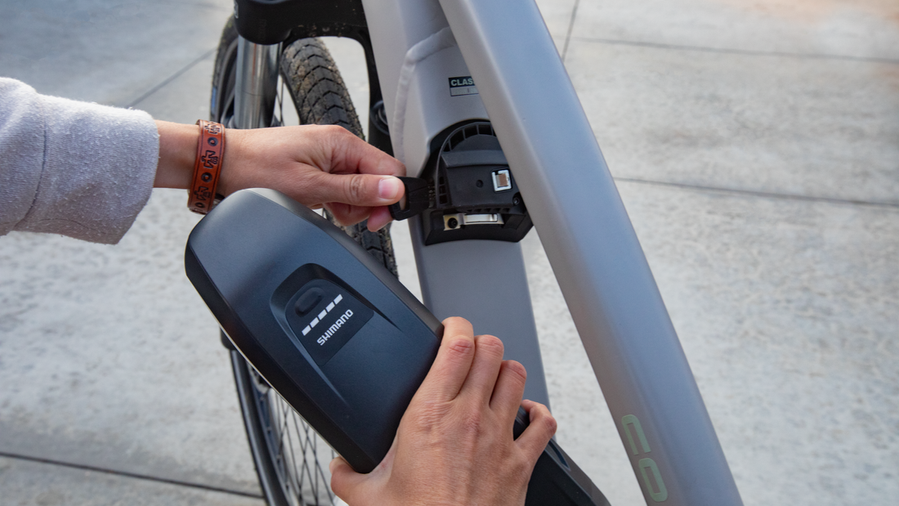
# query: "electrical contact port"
502,180
456,220
452,221
482,219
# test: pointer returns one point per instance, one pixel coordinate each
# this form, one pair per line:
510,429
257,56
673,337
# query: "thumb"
345,482
364,190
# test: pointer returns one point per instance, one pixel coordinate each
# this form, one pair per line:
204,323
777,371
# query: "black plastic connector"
418,199
272,21
472,192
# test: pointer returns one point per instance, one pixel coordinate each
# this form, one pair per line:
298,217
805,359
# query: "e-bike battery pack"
332,330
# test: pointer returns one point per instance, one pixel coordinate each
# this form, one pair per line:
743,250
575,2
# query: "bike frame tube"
486,282
483,281
594,252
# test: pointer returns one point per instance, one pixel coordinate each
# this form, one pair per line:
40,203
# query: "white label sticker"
461,86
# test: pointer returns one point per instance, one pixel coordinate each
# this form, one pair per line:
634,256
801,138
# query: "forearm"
72,168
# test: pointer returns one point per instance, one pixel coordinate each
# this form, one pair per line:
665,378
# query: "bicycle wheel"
291,459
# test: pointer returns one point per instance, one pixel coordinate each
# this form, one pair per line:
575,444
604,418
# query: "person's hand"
454,445
317,165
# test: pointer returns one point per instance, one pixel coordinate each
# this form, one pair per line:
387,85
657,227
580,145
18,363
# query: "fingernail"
332,465
389,188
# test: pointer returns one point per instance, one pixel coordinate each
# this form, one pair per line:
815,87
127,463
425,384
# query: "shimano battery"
331,330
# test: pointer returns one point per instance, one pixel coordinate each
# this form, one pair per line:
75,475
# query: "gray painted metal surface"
485,282
594,252
480,280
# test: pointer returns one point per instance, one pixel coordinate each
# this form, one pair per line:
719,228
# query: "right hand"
454,445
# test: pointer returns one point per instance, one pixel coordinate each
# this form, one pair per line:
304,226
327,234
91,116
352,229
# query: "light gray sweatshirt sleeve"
72,168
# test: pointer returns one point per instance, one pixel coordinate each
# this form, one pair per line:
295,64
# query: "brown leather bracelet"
210,150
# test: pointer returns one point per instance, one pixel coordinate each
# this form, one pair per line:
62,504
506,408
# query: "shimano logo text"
334,328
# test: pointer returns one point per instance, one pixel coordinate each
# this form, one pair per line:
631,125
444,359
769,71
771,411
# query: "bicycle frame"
613,299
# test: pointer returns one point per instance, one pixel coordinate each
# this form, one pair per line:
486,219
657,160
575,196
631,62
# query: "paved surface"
755,144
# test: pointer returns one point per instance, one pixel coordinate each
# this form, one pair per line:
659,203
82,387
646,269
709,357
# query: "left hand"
316,165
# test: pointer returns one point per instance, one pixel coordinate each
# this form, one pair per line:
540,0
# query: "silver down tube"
594,252
257,80
483,281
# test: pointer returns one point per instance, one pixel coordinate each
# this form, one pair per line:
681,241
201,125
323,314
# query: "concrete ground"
755,144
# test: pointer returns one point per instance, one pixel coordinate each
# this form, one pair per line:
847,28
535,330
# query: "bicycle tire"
291,459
